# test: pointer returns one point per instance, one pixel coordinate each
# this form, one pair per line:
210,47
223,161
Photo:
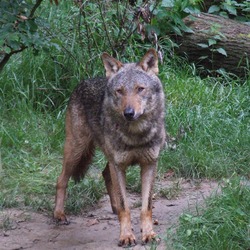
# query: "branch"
105,27
82,11
33,10
6,56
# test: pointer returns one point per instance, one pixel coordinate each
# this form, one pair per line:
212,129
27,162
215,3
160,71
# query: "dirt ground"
99,228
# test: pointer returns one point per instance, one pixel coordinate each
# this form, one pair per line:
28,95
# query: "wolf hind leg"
78,153
75,165
110,188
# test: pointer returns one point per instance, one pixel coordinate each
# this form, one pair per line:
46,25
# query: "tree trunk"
216,43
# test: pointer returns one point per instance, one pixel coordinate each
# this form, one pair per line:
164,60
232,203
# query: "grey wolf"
122,114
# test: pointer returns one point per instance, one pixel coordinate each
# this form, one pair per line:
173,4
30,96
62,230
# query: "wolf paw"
60,218
127,240
150,237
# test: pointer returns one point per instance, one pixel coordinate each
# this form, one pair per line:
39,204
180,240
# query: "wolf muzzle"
129,114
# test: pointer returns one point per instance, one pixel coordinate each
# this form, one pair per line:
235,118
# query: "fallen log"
216,43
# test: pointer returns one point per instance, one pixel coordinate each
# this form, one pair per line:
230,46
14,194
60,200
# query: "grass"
222,224
171,192
209,118
214,115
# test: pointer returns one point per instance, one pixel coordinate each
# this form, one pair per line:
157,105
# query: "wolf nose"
129,113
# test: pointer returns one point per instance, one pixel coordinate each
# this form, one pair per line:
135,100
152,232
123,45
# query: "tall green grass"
222,224
214,117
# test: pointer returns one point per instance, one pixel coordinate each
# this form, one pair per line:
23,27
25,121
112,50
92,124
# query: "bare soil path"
98,228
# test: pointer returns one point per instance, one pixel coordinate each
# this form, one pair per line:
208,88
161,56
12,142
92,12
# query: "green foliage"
213,115
88,192
222,224
20,28
168,16
114,24
133,179
212,43
233,9
172,192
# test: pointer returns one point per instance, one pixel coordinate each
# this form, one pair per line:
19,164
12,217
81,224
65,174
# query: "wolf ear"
149,62
111,64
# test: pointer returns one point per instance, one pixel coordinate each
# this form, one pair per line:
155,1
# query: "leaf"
221,71
14,44
213,9
224,14
57,43
176,30
203,57
202,45
161,14
7,28
151,29
187,29
211,42
32,26
7,50
217,37
221,51
167,3
189,232
191,10
231,9
13,37
187,217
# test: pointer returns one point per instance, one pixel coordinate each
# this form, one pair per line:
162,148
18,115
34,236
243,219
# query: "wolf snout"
129,113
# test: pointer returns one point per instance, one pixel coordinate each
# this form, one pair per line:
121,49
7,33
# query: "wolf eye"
140,89
119,91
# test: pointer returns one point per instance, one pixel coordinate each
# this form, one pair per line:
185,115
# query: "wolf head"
133,89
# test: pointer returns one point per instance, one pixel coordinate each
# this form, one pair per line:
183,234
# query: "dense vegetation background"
208,119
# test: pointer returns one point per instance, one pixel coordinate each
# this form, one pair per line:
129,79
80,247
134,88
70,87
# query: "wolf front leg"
148,172
127,237
110,187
